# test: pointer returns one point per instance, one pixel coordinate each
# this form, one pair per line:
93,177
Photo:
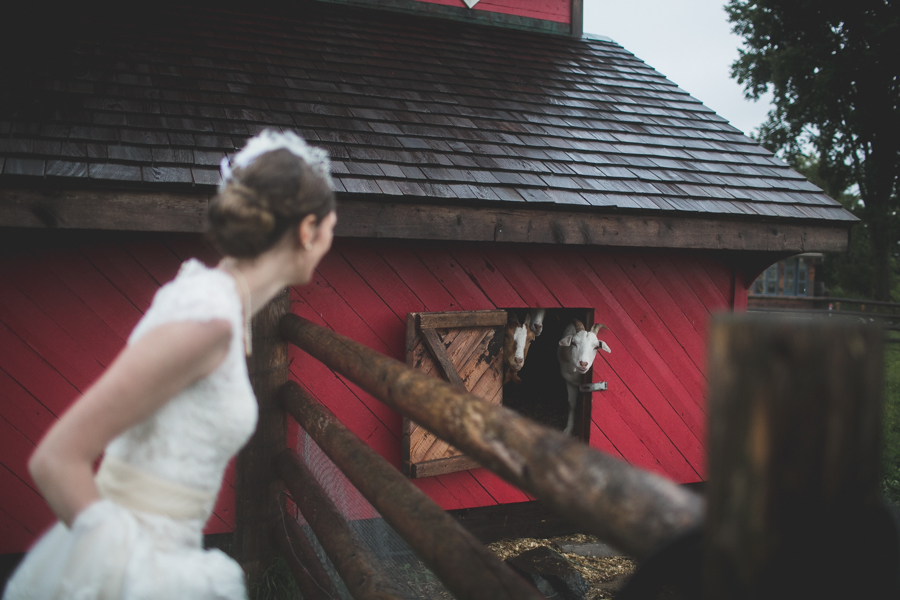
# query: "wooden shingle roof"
410,109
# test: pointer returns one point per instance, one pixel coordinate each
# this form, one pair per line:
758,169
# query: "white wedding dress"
159,480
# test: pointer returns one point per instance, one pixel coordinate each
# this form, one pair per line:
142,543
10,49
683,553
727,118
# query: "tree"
833,67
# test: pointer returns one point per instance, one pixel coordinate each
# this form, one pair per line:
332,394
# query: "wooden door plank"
521,277
599,441
93,289
64,308
371,308
670,314
15,449
475,318
191,245
14,538
624,338
702,285
418,278
438,492
501,491
366,260
454,279
46,338
490,280
630,447
463,348
338,314
640,306
154,256
434,344
636,318
690,304
483,376
358,412
23,410
124,272
718,273
34,374
631,421
23,503
467,489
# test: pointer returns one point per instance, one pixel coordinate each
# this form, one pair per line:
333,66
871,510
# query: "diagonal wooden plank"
433,343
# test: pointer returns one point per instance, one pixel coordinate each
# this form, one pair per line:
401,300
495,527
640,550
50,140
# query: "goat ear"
597,327
579,326
566,341
604,347
527,322
511,318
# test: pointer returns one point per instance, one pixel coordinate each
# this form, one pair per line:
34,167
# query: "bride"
176,404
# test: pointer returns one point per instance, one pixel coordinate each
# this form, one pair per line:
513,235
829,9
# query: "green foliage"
831,67
891,453
276,583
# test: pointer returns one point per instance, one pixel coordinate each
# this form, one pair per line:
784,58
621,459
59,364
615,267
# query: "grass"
276,583
890,460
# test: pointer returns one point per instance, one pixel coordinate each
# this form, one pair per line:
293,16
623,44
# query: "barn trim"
186,212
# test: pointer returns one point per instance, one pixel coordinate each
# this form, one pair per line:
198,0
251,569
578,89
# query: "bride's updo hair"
268,189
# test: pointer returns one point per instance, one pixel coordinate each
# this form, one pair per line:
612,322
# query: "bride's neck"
264,277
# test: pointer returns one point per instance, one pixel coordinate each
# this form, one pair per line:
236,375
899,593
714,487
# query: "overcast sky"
688,41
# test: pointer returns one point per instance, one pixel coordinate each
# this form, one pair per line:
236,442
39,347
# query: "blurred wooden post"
258,491
358,569
794,434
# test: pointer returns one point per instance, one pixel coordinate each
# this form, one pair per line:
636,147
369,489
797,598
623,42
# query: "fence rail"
632,509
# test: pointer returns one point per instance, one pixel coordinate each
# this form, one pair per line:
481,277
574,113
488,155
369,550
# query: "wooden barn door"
466,349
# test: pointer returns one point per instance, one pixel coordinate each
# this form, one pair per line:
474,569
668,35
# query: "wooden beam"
468,318
186,212
466,567
434,344
632,509
104,209
531,225
442,466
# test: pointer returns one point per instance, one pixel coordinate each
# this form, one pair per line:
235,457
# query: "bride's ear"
306,231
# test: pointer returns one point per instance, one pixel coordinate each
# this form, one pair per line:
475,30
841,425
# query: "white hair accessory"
269,140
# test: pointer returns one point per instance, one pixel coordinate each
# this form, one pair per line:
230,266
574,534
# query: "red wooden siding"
546,10
67,305
656,306
68,302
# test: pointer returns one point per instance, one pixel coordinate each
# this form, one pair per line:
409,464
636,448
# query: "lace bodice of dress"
190,440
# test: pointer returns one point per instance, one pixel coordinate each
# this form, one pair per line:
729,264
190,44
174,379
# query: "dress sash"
132,488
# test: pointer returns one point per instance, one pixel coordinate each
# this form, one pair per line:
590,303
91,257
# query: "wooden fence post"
793,492
258,490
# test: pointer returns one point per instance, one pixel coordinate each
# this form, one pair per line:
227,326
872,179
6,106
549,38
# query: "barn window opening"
466,349
542,395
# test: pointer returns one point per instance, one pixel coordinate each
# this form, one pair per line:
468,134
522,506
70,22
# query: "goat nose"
518,360
582,364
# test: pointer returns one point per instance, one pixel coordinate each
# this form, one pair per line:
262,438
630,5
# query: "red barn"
486,158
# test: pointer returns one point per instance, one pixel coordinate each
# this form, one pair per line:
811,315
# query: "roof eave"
418,219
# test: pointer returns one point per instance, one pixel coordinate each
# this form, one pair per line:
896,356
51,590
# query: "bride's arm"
140,380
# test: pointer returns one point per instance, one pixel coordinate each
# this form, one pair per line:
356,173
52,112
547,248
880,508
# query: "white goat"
537,320
576,353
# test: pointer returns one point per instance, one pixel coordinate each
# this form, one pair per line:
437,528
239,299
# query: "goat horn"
579,326
597,327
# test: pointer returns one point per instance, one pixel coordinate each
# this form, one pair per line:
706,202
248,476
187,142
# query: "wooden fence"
793,491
